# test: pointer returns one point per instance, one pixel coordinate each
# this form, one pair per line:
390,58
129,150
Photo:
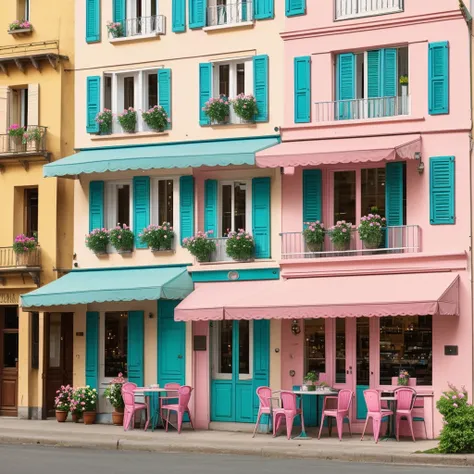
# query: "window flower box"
20,28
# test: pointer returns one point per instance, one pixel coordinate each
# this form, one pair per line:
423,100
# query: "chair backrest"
172,386
184,395
288,400
344,400
128,393
372,400
264,395
405,397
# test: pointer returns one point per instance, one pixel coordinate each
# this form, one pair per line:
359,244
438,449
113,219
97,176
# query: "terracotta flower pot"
61,416
75,418
117,416
89,417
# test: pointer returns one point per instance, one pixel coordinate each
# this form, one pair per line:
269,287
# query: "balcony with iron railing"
220,254
362,109
136,28
351,9
397,239
31,142
25,263
230,14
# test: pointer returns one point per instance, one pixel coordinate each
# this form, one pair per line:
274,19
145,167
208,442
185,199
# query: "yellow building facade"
36,96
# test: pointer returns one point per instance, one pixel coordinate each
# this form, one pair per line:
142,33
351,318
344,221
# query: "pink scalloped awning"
334,297
336,151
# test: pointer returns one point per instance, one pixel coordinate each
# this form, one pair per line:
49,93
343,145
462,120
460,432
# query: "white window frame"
215,354
248,204
235,7
111,216
154,206
27,10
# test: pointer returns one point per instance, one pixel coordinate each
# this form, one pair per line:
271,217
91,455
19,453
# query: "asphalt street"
46,460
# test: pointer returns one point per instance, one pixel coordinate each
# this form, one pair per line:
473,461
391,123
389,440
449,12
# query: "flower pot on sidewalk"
89,417
61,416
117,417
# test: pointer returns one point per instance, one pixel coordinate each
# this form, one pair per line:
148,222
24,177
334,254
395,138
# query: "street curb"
266,451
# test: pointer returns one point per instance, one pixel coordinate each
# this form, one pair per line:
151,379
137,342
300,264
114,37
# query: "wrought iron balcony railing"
349,9
230,14
220,255
141,26
9,260
32,142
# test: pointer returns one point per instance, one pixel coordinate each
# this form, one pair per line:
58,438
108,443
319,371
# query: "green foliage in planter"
97,240
113,392
240,245
245,106
156,118
24,244
314,232
371,228
128,120
84,399
33,134
200,245
64,395
341,233
158,237
104,119
217,109
121,238
20,25
115,29
16,130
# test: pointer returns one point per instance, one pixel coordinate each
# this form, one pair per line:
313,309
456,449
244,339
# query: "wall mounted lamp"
295,327
421,165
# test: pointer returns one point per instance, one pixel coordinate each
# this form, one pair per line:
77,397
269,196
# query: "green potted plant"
314,235
371,229
158,237
403,80
128,120
15,132
62,402
113,393
310,380
32,138
340,235
98,240
245,107
403,378
115,29
85,402
24,247
217,109
156,118
200,246
240,246
104,119
122,238
19,26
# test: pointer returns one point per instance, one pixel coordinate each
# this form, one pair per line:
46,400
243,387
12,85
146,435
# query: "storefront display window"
315,346
406,343
116,338
340,350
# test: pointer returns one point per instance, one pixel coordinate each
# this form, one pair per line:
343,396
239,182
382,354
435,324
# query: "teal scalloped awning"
112,284
164,156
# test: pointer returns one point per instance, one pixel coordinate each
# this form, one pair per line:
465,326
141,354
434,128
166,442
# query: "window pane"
406,343
373,190
226,209
24,108
123,204
240,78
116,337
55,340
31,211
11,317
363,351
108,92
10,350
165,201
239,206
224,80
315,346
340,350
225,347
128,92
345,196
153,7
152,90
244,347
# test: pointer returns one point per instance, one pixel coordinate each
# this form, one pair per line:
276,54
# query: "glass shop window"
116,338
315,346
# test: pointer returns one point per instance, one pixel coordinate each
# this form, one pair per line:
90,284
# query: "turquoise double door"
240,363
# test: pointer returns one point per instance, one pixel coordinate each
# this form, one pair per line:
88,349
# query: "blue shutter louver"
92,349
438,78
261,216
394,191
205,90
210,206
442,190
197,13
92,21
260,84
345,87
136,343
96,205
312,196
390,81
263,9
164,91
186,204
179,16
93,103
302,84
141,208
295,7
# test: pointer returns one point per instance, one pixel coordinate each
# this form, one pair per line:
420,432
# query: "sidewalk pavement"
52,433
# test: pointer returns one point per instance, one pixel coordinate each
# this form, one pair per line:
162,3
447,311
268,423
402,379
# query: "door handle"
180,356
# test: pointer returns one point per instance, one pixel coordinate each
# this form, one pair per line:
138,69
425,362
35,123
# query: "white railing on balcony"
362,109
220,255
230,14
142,26
398,239
347,9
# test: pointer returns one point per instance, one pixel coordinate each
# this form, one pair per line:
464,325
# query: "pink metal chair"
131,408
288,412
405,397
374,411
172,387
265,398
184,395
344,402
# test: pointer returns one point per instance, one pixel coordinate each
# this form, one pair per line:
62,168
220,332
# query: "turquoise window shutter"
93,103
312,196
197,13
205,90
92,21
442,189
261,358
179,16
295,7
345,85
164,90
394,191
119,10
390,81
260,84
186,206
261,216
210,206
302,86
141,207
438,78
264,9
96,205
92,349
135,352
374,74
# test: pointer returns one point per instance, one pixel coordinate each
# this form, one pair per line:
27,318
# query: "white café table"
146,391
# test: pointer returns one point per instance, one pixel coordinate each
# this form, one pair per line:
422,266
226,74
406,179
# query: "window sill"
121,136
228,26
22,32
128,39
231,125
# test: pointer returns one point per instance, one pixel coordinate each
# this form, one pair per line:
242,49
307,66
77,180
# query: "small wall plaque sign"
451,350
200,343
